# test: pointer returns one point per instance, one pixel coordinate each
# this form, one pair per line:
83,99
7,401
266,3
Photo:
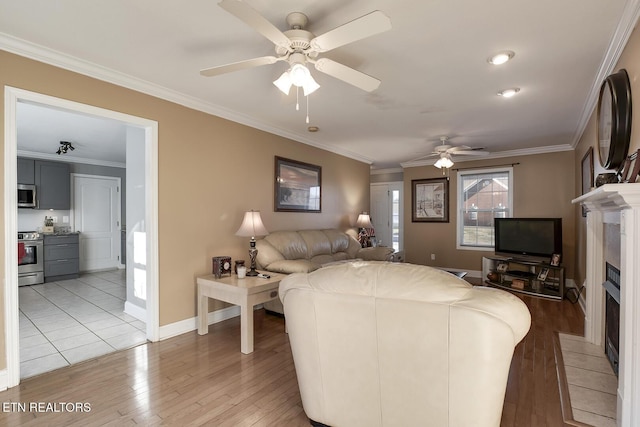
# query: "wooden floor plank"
205,380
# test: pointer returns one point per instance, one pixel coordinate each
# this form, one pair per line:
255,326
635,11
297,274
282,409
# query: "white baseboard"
4,380
135,311
188,325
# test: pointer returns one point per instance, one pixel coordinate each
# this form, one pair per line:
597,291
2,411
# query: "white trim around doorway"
11,377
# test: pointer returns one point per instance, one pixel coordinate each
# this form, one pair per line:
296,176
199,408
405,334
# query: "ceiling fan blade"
425,157
368,25
236,66
470,153
347,74
252,18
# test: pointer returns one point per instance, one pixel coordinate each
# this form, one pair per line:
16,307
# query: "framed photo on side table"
555,260
542,276
430,200
297,186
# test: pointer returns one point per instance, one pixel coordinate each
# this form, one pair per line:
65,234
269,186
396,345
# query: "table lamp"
364,224
252,226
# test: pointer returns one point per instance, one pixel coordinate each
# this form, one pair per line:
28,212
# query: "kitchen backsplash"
33,219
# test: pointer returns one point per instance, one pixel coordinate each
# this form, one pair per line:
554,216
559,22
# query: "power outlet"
433,257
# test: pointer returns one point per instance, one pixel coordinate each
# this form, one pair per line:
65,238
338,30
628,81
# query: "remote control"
264,276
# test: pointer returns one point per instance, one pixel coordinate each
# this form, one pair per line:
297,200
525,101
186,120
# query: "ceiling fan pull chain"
297,102
308,109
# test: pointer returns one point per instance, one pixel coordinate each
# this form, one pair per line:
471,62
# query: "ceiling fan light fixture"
501,57
310,86
444,161
299,75
508,93
284,83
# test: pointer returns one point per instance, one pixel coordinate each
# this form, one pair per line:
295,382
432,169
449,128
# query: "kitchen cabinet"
26,171
61,257
53,181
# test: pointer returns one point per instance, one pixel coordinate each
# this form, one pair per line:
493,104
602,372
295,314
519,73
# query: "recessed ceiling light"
313,128
508,93
501,57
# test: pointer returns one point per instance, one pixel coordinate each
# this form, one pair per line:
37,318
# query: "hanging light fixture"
64,147
297,75
444,161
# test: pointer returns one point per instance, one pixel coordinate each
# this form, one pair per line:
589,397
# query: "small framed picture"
555,260
502,267
542,276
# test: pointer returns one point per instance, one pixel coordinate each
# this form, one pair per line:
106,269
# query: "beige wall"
629,60
543,187
210,172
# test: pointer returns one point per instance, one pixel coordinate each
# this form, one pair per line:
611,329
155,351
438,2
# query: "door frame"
72,215
393,185
12,96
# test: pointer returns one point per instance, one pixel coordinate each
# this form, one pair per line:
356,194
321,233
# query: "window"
395,219
482,196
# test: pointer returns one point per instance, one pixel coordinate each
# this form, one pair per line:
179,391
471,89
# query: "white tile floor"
74,320
592,383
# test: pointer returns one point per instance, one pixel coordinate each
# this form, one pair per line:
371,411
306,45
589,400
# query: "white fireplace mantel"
624,199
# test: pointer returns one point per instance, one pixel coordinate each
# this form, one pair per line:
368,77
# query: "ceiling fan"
445,152
299,47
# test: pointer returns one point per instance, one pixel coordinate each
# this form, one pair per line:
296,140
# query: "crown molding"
497,155
386,171
69,159
619,40
61,60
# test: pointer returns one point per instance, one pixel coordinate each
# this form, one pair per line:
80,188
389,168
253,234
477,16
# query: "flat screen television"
528,237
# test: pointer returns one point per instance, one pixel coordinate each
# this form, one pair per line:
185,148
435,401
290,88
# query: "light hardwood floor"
205,380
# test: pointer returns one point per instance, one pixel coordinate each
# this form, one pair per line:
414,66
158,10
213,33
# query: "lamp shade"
252,225
284,83
364,221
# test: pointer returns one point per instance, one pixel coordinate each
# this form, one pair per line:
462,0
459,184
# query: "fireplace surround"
613,203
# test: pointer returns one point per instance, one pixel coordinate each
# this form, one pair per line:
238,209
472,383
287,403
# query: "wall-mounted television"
528,237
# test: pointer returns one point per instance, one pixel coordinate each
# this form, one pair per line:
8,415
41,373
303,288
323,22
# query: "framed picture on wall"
297,186
587,175
430,200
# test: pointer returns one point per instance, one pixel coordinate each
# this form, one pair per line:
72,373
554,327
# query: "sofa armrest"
379,253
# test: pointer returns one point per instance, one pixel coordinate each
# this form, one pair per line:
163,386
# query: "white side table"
246,293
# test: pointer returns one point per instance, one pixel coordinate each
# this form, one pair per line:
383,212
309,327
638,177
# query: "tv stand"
524,276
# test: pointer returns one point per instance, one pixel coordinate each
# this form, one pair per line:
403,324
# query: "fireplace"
612,316
615,204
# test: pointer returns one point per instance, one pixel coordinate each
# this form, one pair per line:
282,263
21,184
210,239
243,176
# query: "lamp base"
252,273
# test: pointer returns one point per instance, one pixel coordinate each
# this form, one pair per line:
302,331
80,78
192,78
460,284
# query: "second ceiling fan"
299,47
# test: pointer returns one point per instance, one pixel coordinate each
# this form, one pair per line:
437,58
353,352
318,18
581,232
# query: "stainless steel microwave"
27,196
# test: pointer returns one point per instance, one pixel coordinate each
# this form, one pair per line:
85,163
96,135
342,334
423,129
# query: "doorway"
386,214
149,163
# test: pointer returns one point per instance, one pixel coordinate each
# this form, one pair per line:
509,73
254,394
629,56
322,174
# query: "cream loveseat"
307,250
389,344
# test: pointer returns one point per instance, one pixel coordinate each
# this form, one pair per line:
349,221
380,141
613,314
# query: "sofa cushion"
289,243
317,243
288,266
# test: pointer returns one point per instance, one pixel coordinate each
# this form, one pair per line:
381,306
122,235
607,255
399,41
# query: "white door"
380,213
96,211
386,213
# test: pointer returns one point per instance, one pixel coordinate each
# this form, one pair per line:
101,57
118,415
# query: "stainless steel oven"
30,258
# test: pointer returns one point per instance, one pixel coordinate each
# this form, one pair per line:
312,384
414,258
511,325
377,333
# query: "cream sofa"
307,250
390,344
